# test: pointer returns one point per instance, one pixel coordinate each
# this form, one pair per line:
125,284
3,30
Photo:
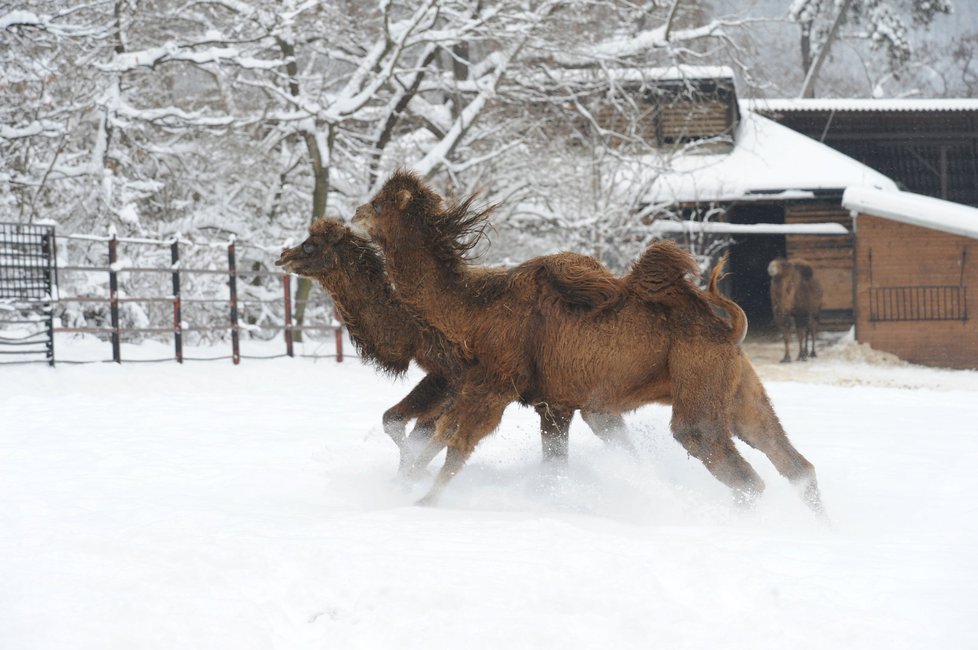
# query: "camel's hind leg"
802,328
702,385
812,330
473,416
755,422
785,325
610,427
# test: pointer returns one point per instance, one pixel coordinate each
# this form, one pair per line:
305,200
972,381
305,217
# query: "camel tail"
738,319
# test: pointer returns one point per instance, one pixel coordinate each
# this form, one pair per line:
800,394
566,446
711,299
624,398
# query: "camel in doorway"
796,300
653,337
390,336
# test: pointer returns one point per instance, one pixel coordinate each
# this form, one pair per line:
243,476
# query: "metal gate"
28,287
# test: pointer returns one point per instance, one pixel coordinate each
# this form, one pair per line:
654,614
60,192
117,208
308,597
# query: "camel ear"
403,199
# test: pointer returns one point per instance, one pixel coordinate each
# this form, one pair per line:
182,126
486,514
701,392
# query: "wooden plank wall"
830,256
905,255
694,119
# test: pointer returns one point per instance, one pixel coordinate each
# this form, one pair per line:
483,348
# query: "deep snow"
214,506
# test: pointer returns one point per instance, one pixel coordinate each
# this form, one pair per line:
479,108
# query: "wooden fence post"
114,298
177,312
287,290
233,286
339,339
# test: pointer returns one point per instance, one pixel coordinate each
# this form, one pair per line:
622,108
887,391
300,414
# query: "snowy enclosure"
208,505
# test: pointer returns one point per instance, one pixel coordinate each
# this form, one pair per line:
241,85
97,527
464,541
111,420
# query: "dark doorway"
748,283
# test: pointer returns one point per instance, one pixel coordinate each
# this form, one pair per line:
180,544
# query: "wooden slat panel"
830,257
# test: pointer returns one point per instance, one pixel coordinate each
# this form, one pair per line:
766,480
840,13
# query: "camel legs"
812,329
554,427
802,328
610,427
785,324
755,422
710,443
423,402
473,416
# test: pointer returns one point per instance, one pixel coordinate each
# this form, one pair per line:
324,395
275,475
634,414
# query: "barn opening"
748,283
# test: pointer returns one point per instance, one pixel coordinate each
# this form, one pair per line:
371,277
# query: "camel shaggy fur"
796,300
390,336
598,342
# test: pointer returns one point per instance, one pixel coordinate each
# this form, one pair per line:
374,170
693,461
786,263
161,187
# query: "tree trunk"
808,87
320,174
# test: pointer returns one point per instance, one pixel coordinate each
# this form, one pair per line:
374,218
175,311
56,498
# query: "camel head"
777,267
330,248
408,212
405,196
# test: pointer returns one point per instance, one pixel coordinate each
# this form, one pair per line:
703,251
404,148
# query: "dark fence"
223,311
27,286
918,303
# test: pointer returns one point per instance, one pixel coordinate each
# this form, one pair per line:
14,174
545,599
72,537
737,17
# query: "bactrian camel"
796,300
390,336
654,337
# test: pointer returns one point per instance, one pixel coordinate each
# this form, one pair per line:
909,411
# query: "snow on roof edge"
723,228
861,105
913,209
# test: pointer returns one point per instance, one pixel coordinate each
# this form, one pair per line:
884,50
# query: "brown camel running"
655,338
386,334
796,300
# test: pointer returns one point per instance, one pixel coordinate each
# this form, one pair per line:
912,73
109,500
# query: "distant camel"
390,336
655,337
796,299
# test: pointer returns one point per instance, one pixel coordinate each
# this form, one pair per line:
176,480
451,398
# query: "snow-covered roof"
767,159
636,74
862,105
664,226
914,209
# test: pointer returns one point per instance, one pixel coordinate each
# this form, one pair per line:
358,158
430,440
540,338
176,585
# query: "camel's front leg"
431,390
476,416
610,427
554,428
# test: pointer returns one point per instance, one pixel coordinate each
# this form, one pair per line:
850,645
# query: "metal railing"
230,324
918,303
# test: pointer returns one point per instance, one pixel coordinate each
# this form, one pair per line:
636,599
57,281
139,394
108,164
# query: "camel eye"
308,248
376,206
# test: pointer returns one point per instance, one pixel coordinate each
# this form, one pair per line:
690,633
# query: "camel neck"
380,326
431,283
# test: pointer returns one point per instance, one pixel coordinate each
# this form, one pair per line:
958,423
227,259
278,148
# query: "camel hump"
804,269
663,265
578,281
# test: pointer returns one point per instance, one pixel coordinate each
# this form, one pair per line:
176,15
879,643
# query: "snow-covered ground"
212,506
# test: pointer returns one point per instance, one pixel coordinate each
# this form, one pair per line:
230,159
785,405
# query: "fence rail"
176,327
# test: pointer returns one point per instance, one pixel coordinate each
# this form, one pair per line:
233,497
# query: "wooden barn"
916,276
786,189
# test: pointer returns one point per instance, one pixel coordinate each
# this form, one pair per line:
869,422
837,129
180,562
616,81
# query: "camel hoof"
786,360
429,500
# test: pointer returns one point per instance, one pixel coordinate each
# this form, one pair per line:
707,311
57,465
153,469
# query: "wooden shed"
915,276
775,179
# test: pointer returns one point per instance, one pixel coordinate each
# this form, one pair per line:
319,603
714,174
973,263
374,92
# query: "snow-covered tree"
213,119
884,24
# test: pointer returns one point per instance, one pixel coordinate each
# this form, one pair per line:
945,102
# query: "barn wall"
905,255
830,256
